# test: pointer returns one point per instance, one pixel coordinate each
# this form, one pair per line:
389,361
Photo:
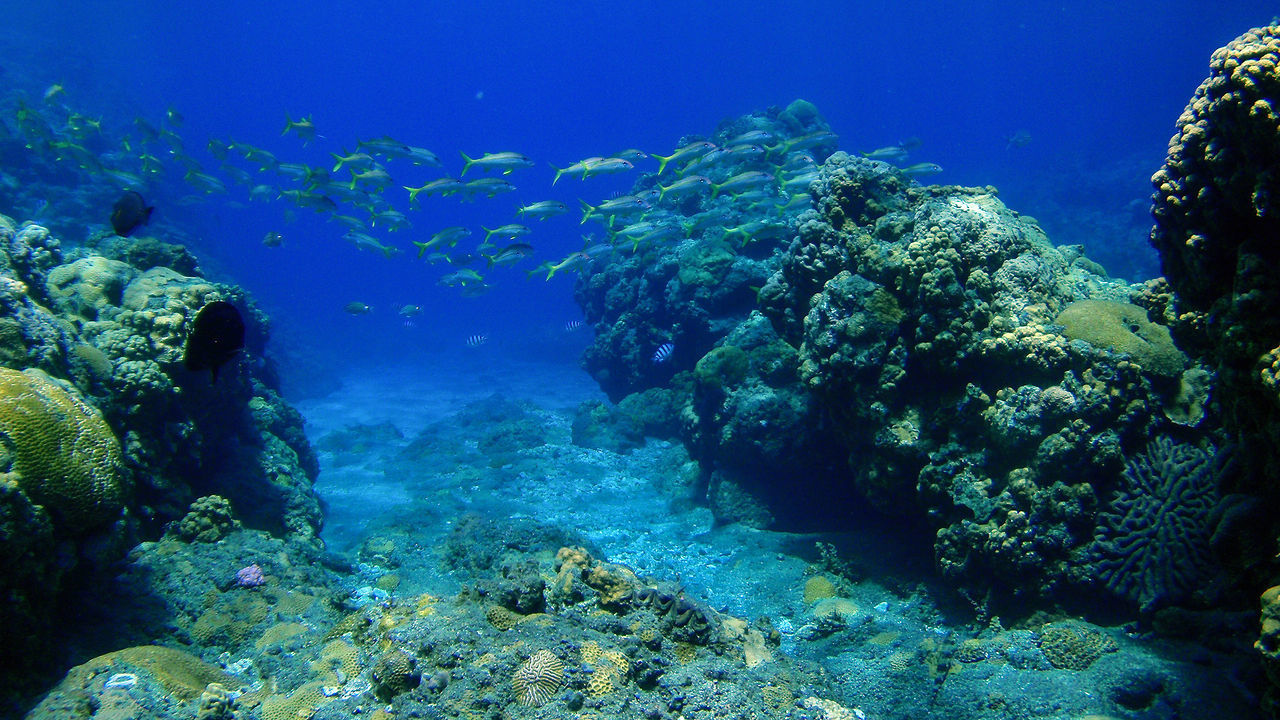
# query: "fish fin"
559,172
587,209
467,164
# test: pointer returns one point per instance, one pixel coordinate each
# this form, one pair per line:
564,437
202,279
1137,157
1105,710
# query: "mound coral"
63,453
1123,327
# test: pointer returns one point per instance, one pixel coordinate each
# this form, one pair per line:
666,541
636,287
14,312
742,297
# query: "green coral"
1074,647
1124,328
722,368
64,454
209,519
706,263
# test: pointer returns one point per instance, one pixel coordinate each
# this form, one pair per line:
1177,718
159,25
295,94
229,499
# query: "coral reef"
695,285
106,437
1268,644
928,324
1216,224
209,519
922,350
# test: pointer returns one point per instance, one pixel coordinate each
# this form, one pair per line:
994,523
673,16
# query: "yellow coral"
297,705
1074,647
502,618
818,587
279,633
339,656
686,652
184,676
601,681
65,455
591,652
1124,328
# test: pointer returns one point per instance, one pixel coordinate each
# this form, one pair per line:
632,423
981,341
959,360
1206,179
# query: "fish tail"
413,193
340,159
468,162
586,214
715,190
559,172
487,233
422,247
662,161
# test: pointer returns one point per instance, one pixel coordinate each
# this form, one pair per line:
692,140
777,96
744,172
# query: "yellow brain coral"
63,453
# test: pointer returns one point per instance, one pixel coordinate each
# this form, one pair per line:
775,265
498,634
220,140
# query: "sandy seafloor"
613,499
623,504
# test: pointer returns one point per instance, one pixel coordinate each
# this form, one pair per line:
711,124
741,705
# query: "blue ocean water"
1065,108
1093,88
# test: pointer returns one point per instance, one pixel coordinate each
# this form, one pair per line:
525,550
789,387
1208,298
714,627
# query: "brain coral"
1153,544
538,678
64,454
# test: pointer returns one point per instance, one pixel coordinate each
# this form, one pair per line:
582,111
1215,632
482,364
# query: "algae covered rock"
88,285
605,427
721,368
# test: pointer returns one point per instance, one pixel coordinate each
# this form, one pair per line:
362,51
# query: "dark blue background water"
1098,90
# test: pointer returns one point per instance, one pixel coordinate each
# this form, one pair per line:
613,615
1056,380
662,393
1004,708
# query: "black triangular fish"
216,336
130,213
